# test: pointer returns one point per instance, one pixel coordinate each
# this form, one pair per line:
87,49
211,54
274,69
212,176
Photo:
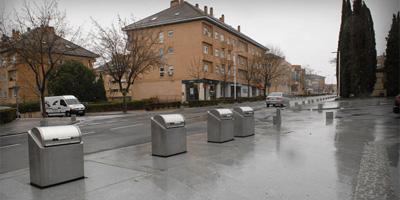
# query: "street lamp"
338,75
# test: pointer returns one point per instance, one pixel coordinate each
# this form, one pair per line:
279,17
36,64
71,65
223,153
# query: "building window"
170,50
216,52
205,49
205,67
161,52
217,69
216,35
161,37
222,37
162,70
222,54
171,70
170,34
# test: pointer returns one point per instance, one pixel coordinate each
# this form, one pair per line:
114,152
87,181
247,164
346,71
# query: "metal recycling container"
55,155
244,121
168,135
219,125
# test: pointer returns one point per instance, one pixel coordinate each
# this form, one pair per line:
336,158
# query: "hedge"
7,115
132,105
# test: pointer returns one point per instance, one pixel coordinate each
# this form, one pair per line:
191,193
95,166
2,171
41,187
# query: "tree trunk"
205,91
42,105
124,103
248,89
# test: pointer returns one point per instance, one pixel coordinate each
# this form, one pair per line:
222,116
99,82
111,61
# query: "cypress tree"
392,61
357,40
369,55
345,49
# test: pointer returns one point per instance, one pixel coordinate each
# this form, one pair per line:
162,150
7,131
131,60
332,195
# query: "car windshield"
275,94
72,101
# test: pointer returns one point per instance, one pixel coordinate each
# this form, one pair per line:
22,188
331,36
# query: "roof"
186,12
63,46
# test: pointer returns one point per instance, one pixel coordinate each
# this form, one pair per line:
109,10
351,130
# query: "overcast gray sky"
305,30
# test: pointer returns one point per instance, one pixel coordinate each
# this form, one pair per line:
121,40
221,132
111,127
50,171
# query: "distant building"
187,32
14,73
379,88
314,84
282,83
330,89
297,80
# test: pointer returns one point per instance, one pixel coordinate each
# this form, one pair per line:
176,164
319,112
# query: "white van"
63,105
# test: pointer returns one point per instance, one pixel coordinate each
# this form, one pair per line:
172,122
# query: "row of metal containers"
56,153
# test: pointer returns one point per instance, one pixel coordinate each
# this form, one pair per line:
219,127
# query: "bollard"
73,118
329,116
277,120
44,122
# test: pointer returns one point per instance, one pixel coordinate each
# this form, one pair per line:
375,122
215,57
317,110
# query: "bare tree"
39,32
271,67
198,72
225,73
126,55
252,67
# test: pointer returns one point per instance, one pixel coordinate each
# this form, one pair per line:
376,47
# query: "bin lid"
222,113
57,135
247,111
171,120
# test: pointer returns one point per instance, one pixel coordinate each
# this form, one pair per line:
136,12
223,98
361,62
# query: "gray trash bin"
168,135
55,155
244,121
219,125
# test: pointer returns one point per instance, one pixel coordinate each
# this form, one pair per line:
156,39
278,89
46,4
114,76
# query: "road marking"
12,145
87,133
122,127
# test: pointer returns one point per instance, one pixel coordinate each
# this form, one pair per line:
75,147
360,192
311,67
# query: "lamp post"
338,75
234,76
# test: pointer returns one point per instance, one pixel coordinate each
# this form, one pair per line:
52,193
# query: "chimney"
197,5
205,10
238,28
212,11
15,34
222,19
174,3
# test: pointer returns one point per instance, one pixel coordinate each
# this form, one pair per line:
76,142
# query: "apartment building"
297,80
203,55
314,84
16,77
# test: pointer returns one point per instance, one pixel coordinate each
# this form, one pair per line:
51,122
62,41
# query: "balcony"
208,57
12,83
208,40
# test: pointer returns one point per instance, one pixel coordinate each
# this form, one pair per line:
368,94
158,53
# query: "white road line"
122,127
87,133
12,145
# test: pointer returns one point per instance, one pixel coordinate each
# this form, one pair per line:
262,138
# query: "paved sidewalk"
305,158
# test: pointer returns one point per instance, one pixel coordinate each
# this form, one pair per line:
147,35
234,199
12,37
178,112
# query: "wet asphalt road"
354,157
102,133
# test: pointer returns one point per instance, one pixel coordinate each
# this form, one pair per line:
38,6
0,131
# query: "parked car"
277,99
396,108
63,106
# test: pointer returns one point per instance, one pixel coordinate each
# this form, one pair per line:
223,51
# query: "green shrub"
154,106
28,107
7,115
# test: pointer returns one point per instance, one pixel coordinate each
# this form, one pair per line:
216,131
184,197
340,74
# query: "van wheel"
67,114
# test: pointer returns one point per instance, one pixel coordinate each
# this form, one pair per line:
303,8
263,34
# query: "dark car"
396,108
